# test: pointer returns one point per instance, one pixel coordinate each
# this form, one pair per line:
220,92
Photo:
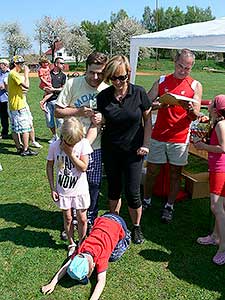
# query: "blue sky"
28,12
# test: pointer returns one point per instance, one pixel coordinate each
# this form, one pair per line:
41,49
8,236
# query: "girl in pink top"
216,160
46,81
69,155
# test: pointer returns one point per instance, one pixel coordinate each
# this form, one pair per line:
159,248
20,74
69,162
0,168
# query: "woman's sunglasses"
120,78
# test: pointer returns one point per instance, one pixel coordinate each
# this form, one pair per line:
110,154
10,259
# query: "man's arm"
49,288
26,83
62,112
192,108
153,94
101,280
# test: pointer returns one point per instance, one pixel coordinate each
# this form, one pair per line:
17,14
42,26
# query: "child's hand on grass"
47,289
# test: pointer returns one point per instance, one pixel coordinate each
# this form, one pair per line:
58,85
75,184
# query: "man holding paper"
170,135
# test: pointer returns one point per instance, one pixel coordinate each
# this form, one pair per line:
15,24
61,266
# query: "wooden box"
196,185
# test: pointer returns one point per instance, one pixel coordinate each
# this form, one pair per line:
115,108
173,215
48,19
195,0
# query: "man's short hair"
96,58
185,53
57,58
4,61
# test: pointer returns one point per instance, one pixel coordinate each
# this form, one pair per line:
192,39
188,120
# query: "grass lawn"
169,265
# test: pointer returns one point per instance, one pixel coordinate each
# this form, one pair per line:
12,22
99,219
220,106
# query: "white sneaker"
53,139
35,144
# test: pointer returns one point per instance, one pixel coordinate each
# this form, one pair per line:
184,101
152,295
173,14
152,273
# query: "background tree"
97,34
195,14
15,42
77,44
49,31
121,34
116,17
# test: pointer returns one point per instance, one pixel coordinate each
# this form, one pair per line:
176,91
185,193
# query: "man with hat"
4,71
108,240
18,85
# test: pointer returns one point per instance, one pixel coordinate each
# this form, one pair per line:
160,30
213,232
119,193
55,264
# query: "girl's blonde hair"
115,62
72,130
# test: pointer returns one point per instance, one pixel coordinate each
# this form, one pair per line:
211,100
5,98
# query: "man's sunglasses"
120,78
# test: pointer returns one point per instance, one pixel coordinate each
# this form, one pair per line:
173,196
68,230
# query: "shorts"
123,244
76,202
162,152
217,183
51,121
30,115
20,120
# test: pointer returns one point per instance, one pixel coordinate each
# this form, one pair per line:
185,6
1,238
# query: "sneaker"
28,152
137,235
89,228
35,144
146,205
167,214
71,249
53,139
63,235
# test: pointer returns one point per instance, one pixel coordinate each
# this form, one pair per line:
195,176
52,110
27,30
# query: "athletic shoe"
167,214
71,249
146,205
137,235
63,235
53,139
35,144
28,152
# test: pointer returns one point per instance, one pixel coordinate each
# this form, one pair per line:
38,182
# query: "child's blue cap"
79,268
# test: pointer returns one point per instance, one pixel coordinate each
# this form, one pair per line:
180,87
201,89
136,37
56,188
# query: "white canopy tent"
205,36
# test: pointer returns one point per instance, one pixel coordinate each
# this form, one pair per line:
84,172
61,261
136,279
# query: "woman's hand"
142,151
199,145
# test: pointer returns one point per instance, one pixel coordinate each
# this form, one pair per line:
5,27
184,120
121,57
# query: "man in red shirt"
170,135
108,240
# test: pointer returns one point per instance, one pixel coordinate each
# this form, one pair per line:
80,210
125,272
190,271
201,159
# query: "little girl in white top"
69,156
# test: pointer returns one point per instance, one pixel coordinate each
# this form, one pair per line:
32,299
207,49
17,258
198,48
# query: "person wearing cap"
4,72
108,240
18,85
216,161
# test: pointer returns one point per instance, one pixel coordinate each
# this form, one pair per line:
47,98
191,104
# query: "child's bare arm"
50,175
92,133
101,280
49,288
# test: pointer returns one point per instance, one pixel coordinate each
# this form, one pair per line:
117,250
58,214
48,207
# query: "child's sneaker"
167,214
146,204
71,249
53,139
35,144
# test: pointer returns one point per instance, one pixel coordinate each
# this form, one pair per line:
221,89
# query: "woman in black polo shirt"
127,128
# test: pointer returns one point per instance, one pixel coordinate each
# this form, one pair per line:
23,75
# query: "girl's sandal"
219,258
207,240
71,249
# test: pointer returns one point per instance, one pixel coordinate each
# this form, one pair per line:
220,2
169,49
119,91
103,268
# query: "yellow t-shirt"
16,98
78,93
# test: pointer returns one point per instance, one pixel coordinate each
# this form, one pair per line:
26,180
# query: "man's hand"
85,112
142,151
96,119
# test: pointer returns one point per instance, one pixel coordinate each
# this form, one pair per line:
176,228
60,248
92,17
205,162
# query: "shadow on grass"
28,238
29,215
187,260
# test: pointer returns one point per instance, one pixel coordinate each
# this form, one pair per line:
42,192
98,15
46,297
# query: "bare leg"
152,171
16,140
217,206
135,215
114,206
81,223
25,137
175,179
32,135
68,224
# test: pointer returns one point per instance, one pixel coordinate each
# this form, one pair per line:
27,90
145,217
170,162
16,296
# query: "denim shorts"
20,120
51,121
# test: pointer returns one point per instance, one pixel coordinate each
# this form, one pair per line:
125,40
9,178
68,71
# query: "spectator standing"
58,79
170,135
4,72
127,128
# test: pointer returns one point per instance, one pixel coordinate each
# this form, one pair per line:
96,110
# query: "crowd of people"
105,119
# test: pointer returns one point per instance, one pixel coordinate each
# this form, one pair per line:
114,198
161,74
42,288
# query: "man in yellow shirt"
18,85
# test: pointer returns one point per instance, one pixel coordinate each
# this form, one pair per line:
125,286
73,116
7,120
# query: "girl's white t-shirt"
69,180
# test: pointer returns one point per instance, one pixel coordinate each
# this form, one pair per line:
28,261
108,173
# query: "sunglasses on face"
120,78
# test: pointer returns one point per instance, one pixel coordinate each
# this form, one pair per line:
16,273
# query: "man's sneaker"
167,214
28,152
146,205
35,144
137,235
53,139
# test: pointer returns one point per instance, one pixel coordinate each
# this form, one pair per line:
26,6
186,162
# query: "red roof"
58,46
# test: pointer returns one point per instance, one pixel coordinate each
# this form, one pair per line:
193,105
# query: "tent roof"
204,36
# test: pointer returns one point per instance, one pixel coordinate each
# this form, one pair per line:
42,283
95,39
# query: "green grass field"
169,265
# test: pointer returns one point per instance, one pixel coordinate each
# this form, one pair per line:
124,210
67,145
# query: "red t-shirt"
172,123
102,240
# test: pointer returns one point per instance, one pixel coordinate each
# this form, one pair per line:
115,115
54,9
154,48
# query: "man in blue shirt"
4,71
